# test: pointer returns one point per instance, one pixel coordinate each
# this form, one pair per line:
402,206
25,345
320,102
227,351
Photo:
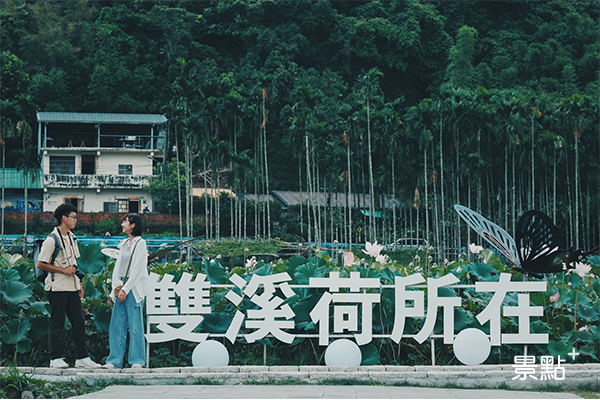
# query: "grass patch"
207,382
13,384
277,382
588,395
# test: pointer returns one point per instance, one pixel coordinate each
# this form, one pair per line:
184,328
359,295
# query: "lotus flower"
349,259
554,298
475,249
382,259
582,269
251,262
373,249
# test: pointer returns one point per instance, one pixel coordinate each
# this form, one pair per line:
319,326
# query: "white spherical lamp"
343,352
472,346
210,353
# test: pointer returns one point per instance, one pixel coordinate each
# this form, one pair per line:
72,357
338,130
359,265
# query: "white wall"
107,163
92,200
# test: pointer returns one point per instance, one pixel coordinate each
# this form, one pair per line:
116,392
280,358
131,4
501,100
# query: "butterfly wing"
110,252
540,243
491,232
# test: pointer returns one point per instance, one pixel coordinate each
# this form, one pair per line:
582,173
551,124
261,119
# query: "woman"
131,273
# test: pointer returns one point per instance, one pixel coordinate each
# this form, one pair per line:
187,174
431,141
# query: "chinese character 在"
523,311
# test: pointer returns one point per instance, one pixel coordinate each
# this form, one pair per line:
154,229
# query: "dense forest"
490,104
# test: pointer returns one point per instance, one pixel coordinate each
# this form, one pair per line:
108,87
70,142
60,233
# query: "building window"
78,203
62,165
126,206
125,169
88,164
123,206
110,207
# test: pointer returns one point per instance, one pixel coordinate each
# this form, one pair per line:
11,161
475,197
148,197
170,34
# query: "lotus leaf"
26,273
483,272
462,319
294,262
14,330
589,349
92,260
16,292
24,346
370,355
39,327
101,318
216,322
389,276
215,273
12,259
559,348
40,307
588,313
9,274
264,270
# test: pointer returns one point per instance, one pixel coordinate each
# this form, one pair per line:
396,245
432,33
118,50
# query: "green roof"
100,118
10,178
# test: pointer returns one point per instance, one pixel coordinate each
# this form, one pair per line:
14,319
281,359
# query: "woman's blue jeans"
127,315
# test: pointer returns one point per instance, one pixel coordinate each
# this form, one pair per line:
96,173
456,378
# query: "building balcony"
65,181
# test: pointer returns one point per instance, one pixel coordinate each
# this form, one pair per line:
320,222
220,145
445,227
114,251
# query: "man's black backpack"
41,274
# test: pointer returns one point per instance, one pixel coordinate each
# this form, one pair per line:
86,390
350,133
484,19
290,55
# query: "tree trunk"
348,196
371,184
266,167
3,184
178,188
576,134
394,202
26,178
309,187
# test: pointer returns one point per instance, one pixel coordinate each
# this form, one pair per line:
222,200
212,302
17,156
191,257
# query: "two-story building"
99,162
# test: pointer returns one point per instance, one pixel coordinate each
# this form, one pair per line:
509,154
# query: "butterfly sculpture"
539,247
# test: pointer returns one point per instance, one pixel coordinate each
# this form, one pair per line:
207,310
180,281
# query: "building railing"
62,141
64,181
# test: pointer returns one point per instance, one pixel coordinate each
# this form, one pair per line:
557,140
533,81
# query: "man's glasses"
72,216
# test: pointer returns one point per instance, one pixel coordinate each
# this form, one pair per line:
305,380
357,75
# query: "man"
63,285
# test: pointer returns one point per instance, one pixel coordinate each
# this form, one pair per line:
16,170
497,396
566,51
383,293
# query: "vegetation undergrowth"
13,383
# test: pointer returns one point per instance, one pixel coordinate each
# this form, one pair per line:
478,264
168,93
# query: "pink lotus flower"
582,269
349,259
554,298
373,249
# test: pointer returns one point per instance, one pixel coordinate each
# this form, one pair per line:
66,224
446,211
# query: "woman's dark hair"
137,220
64,209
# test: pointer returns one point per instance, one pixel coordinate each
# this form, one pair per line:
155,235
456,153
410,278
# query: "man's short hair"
63,209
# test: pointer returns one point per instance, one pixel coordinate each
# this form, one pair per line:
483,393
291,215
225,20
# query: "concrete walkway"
281,382
310,392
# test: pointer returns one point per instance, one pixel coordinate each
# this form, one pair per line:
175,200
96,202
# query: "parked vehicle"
31,206
407,244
